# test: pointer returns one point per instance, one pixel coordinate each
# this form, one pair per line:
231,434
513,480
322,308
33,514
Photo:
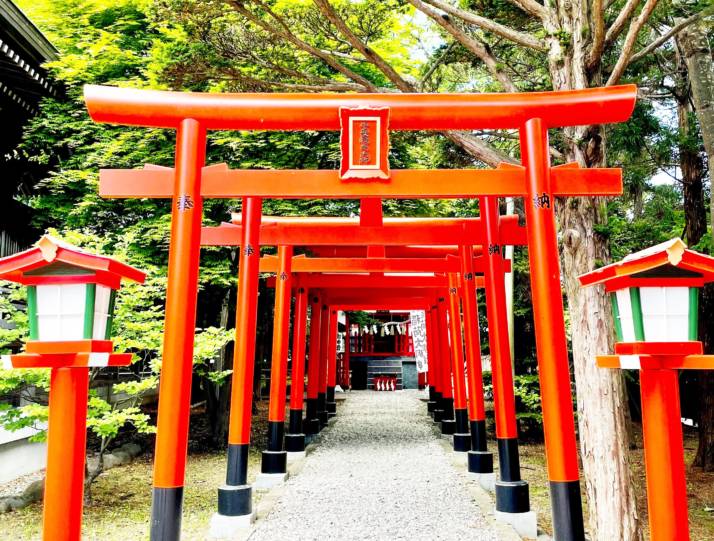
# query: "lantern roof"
59,258
667,262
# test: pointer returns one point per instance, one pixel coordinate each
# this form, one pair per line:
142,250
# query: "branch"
619,25
284,32
473,45
635,27
435,64
522,38
598,46
676,29
532,8
328,11
478,149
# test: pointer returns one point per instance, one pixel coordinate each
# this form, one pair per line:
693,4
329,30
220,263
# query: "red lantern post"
63,281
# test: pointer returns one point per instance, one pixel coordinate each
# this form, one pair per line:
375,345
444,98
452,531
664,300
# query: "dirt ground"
121,497
700,486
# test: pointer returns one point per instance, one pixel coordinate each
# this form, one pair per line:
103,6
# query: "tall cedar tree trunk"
603,424
694,46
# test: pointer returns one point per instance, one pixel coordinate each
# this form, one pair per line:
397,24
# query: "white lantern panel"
624,306
60,311
101,312
665,313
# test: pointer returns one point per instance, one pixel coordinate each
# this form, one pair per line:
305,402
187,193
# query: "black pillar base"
323,416
235,501
462,442
447,404
508,459
312,426
567,510
294,443
480,462
431,406
512,497
438,415
448,426
166,510
274,462
331,408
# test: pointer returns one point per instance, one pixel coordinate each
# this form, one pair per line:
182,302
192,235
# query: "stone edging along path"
380,471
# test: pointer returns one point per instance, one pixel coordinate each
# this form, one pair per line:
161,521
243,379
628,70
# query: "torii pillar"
448,424
330,404
462,438
312,422
551,345
512,493
295,438
322,376
432,359
235,498
273,466
480,460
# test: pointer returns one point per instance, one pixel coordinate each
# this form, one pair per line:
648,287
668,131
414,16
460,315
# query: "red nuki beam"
326,184
245,111
422,231
413,251
373,282
281,333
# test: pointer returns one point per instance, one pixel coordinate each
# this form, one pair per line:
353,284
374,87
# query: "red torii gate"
193,114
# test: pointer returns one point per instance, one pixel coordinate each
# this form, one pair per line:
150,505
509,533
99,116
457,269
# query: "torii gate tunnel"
364,174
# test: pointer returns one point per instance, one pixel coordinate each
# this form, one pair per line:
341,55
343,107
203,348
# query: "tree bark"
603,423
697,54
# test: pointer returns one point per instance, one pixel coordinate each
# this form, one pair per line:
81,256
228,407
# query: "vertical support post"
235,506
480,461
664,455
462,438
512,493
322,385
312,422
66,451
346,362
432,359
295,438
181,296
330,404
448,424
274,459
557,403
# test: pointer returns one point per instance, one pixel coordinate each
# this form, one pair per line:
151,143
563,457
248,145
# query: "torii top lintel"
162,109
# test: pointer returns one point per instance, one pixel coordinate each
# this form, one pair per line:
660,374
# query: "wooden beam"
219,182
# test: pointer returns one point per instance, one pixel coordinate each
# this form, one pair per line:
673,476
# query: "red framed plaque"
364,142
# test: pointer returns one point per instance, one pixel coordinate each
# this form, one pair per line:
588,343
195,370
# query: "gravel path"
378,473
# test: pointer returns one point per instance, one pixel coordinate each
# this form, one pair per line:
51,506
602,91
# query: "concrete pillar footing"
525,524
225,527
487,481
266,481
295,455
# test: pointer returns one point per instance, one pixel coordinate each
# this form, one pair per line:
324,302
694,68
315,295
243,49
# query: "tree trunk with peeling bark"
603,423
694,46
